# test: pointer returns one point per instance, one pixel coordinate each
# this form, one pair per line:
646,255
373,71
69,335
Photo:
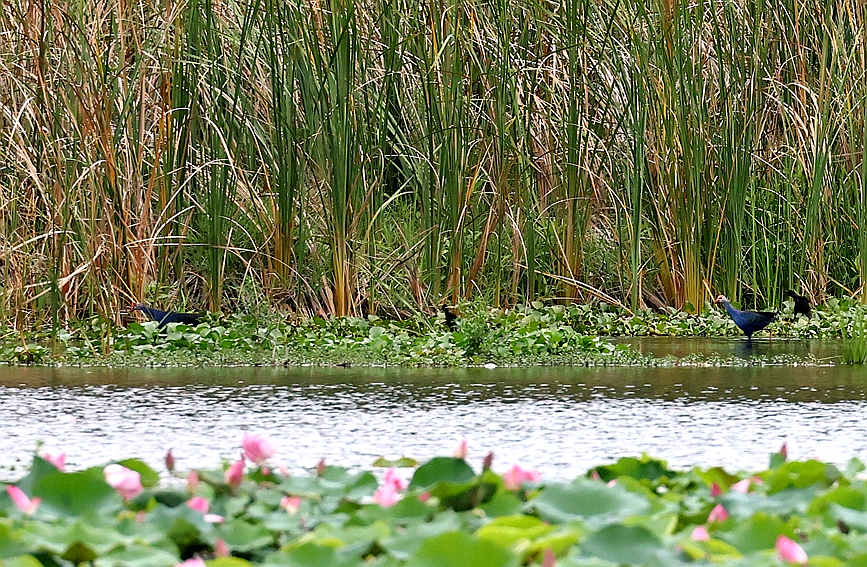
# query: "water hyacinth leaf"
624,544
75,494
244,536
441,469
590,501
137,556
458,549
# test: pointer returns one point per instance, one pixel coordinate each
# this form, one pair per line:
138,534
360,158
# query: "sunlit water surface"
557,420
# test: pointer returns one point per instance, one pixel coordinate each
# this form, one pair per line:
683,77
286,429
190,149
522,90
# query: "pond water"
558,420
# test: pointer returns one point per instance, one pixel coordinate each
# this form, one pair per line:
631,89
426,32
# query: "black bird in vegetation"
802,304
451,317
163,318
748,321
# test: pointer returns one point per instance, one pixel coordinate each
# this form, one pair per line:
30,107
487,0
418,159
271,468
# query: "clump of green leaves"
633,512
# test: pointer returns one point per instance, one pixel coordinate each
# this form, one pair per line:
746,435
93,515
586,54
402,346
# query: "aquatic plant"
404,152
633,512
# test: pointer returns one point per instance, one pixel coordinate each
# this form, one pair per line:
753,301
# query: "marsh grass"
324,152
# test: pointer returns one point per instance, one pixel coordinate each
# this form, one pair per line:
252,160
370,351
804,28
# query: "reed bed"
328,156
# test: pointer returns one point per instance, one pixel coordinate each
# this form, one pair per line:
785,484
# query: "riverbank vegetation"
527,335
322,156
636,511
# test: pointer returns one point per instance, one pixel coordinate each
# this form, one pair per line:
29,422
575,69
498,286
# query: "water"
558,420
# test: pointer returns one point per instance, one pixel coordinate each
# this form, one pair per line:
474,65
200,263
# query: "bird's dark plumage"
163,318
451,317
748,321
802,304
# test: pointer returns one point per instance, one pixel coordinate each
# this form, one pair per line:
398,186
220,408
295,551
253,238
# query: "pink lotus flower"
170,461
715,490
394,480
290,504
21,501
718,514
126,482
386,495
741,486
784,451
199,504
56,459
594,474
424,496
611,483
699,534
461,451
516,477
548,558
256,448
192,481
235,473
221,549
214,518
790,552
194,562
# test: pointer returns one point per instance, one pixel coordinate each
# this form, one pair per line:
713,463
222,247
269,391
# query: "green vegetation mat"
443,513
527,335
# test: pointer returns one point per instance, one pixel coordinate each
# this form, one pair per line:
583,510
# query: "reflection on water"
559,420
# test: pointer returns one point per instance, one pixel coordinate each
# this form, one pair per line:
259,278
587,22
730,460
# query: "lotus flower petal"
393,479
517,476
194,562
790,552
199,504
56,459
718,514
235,473
221,549
21,501
125,481
386,495
291,504
461,451
699,533
256,448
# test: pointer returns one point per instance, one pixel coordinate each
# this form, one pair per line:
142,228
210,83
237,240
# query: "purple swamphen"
802,304
748,321
163,318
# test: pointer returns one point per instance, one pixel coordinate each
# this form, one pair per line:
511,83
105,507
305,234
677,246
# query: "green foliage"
528,334
642,515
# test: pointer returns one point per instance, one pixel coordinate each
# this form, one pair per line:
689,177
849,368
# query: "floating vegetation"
636,511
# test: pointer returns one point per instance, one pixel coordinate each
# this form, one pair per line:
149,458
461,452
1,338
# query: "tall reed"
314,153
